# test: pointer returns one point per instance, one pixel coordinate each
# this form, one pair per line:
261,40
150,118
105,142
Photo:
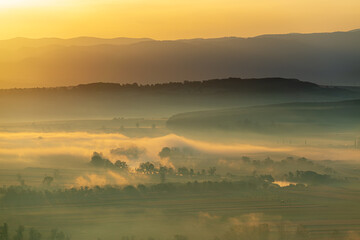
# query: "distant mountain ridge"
20,42
108,100
323,58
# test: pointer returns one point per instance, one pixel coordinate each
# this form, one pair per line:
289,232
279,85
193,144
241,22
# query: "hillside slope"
274,119
109,100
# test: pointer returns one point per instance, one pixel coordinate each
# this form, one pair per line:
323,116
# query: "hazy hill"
20,43
324,58
99,100
285,118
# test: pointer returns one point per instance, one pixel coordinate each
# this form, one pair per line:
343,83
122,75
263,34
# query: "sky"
173,19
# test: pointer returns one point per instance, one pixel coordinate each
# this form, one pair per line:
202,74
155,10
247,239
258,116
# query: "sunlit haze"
161,19
179,119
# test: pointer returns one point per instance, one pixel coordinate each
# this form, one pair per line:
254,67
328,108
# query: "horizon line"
179,39
163,83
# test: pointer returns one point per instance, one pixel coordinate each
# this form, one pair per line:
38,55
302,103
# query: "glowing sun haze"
164,19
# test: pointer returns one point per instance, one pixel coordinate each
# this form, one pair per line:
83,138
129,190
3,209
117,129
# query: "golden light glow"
13,3
23,3
163,19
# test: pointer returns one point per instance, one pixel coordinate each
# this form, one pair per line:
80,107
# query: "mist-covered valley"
148,178
179,120
190,189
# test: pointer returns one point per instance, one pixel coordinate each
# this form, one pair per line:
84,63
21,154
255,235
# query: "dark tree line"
97,160
149,168
21,233
18,195
309,177
237,231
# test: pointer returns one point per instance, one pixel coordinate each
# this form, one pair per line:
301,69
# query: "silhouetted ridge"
314,57
99,100
220,86
229,84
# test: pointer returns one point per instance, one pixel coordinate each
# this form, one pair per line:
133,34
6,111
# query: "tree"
291,176
19,233
171,171
163,171
132,152
34,234
4,232
129,189
245,159
142,188
53,234
121,165
147,167
20,180
48,180
268,161
108,163
165,152
212,171
58,235
267,178
97,160
183,171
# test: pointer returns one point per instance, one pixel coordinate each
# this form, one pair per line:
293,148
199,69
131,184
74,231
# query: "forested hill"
114,100
230,85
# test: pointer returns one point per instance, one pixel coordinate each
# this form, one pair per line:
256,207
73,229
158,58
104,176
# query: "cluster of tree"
47,180
175,237
239,231
259,231
21,180
254,231
175,152
132,153
32,234
267,178
150,168
288,162
97,160
236,231
309,177
18,195
269,162
263,231
234,85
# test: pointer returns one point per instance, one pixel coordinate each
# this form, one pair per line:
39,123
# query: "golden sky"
173,19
